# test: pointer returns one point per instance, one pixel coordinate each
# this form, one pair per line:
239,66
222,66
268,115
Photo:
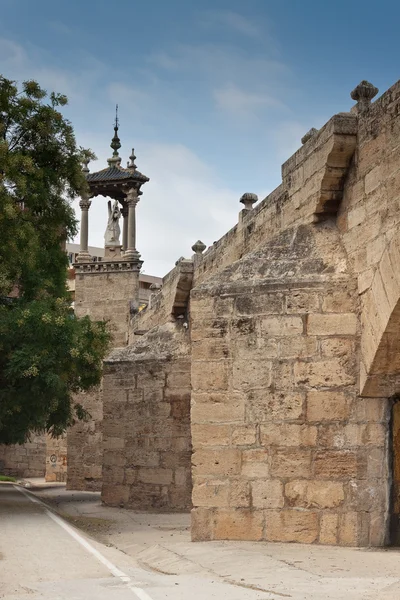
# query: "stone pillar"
125,210
84,255
132,199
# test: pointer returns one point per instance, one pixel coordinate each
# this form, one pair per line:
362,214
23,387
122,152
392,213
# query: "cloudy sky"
214,95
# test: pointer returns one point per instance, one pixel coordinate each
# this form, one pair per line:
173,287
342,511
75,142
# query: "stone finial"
363,95
248,199
309,135
131,163
199,247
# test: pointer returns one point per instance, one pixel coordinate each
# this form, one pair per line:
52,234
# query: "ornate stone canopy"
120,184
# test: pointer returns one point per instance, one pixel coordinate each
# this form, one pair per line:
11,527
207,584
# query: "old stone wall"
146,427
26,460
284,448
102,295
292,356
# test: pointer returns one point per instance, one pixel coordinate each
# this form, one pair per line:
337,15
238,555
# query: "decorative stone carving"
113,230
199,247
311,133
85,203
363,94
248,199
105,267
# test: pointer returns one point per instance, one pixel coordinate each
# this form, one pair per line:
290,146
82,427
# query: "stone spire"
115,160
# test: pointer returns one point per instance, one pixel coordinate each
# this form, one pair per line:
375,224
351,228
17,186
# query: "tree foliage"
46,354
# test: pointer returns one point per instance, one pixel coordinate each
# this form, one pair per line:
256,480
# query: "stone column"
84,255
125,210
132,199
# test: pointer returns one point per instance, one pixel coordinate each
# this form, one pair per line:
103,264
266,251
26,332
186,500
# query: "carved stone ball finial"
199,247
309,135
363,95
248,199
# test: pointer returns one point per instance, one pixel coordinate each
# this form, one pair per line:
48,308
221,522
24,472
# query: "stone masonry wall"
103,295
284,448
56,458
26,460
147,445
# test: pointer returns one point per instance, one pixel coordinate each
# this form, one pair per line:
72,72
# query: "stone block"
339,300
255,463
239,493
369,410
210,349
373,179
325,373
267,493
222,462
378,529
244,435
210,375
211,494
259,304
291,526
282,326
298,347
301,302
328,529
202,524
264,405
239,524
348,529
114,495
291,463
288,434
314,494
327,406
332,324
217,407
210,435
251,374
254,347
155,476
336,464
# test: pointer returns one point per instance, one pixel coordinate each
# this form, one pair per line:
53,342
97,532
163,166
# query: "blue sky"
214,96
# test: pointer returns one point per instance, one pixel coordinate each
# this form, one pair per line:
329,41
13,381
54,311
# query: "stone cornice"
104,266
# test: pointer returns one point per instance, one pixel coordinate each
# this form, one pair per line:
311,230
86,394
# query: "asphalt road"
43,558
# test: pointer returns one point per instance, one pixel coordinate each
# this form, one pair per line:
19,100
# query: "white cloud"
243,103
29,62
232,20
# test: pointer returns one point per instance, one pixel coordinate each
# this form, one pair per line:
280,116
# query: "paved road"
44,558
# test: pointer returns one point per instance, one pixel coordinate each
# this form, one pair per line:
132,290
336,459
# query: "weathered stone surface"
314,494
291,526
292,315
146,430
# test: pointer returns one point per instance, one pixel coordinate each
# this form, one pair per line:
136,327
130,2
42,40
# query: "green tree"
46,354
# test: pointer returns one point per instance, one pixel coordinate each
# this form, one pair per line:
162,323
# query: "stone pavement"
160,543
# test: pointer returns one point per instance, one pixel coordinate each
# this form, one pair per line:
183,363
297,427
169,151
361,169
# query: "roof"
116,174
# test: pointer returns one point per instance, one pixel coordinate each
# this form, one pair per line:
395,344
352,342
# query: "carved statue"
113,230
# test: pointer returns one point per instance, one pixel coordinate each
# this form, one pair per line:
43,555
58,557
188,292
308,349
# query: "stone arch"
380,340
